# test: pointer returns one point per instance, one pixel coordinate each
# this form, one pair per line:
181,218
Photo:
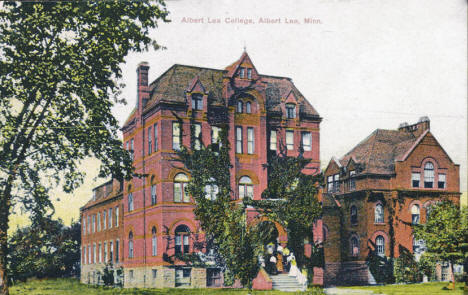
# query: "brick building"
155,216
376,192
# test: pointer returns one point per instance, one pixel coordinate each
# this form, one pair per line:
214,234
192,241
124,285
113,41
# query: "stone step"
283,282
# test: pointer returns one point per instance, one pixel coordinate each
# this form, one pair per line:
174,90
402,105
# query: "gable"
332,168
427,146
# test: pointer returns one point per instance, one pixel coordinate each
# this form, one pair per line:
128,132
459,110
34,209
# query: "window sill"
380,223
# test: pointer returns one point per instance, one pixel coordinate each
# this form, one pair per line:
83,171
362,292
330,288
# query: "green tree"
59,72
45,249
445,233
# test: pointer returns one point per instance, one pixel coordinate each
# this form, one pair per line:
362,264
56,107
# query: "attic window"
249,73
242,73
290,110
197,101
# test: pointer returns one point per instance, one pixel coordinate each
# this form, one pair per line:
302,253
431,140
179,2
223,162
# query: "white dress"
293,270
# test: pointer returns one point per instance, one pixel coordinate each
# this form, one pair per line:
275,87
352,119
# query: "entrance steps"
283,282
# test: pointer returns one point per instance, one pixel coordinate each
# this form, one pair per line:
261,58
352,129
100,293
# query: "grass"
435,288
74,287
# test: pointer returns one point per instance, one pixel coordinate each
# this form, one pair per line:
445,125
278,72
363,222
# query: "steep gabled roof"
378,152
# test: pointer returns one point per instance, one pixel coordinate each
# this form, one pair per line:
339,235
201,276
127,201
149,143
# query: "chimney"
142,85
417,129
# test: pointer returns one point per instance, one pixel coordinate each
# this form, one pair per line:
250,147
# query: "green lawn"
73,287
426,289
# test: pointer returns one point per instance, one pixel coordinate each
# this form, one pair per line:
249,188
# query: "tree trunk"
452,285
5,203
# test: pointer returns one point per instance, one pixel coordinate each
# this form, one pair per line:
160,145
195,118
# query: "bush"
406,269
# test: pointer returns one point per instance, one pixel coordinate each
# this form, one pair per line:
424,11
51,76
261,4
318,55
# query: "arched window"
354,246
380,245
245,187
130,245
415,214
180,195
248,107
290,110
130,205
182,233
354,217
240,106
428,175
379,214
211,190
154,242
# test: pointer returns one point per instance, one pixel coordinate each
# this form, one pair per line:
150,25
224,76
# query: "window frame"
250,140
429,168
248,107
245,187
239,140
176,136
154,242
197,101
380,248
353,215
306,135
197,136
179,184
275,142
130,202
289,140
181,237
379,217
239,107
131,245
290,110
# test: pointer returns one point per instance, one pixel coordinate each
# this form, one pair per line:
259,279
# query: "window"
153,194
197,101
116,216
154,242
89,224
290,110
306,141
100,253
182,277
441,182
150,141
273,140
380,245
89,255
130,274
84,225
418,246
354,217
117,251
378,213
242,73
249,73
110,218
250,140
352,180
336,182
94,253
415,179
245,187
239,140
354,246
179,188
182,233
197,136
105,252
84,255
130,245
428,211
211,190
415,214
155,130
213,277
154,273
132,154
104,223
99,221
130,202
248,107
330,183
428,175
215,134
289,139
240,106
94,223
111,251
176,136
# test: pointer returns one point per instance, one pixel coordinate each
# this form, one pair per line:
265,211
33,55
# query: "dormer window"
249,73
290,110
197,101
240,106
242,73
429,175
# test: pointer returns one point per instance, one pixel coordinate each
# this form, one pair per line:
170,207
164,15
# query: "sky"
363,65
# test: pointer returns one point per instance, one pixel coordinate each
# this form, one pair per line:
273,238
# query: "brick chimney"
417,129
142,85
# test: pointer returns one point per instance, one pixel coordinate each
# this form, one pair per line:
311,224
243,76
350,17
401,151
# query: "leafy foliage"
406,269
46,249
59,71
445,233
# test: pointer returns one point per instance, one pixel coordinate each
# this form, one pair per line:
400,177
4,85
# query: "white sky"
368,64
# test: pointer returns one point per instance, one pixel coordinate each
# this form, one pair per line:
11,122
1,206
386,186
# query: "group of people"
278,260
